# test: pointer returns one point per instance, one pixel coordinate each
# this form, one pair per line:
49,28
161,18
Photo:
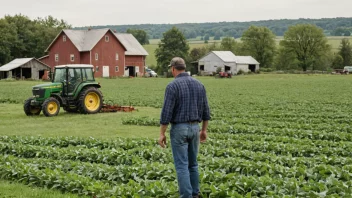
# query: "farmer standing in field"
185,106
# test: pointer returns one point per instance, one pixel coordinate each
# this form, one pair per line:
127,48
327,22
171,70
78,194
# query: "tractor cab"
73,87
72,77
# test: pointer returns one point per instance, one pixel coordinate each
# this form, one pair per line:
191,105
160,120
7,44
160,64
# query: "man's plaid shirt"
185,101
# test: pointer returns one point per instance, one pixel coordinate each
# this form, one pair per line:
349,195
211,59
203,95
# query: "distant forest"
331,27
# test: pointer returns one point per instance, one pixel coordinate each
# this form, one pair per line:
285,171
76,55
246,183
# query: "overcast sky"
120,12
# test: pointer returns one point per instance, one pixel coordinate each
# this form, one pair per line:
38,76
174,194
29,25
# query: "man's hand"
162,140
203,136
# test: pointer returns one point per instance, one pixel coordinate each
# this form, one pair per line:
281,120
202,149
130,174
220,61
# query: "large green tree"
52,22
140,35
25,44
197,53
259,42
28,38
8,37
285,60
171,45
307,42
345,51
229,44
337,62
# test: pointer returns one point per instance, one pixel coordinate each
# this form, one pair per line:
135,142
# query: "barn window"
106,38
117,56
96,68
56,57
96,56
64,38
117,69
201,68
72,57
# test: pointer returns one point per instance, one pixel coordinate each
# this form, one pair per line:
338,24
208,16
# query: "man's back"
185,101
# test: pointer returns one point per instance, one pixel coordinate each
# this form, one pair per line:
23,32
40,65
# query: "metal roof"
131,44
74,66
15,63
85,40
246,60
43,57
229,57
226,56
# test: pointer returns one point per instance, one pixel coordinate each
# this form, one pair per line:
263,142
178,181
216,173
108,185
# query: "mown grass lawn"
104,125
17,190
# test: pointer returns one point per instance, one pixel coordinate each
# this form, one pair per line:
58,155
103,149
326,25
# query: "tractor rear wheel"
51,107
90,100
30,110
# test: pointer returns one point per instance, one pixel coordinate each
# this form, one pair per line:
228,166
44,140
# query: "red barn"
112,54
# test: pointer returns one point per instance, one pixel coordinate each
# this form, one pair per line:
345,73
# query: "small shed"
246,64
227,61
24,68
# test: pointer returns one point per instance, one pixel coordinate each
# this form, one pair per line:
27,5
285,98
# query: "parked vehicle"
151,73
347,69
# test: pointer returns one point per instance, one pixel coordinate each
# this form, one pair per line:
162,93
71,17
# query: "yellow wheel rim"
92,101
52,107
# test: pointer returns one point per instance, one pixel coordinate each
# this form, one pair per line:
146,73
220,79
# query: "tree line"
21,37
303,47
331,27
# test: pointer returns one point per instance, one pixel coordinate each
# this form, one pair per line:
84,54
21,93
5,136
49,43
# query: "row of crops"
268,137
232,165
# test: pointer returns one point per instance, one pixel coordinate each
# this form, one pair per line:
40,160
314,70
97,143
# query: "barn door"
105,71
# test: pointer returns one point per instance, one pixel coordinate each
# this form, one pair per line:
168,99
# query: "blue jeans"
185,143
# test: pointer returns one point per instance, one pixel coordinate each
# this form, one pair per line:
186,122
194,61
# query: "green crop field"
270,136
334,41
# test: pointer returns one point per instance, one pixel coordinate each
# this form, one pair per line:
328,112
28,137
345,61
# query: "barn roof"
85,40
246,60
226,56
15,63
229,57
131,44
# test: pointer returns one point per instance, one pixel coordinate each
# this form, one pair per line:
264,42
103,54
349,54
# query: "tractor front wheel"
30,110
51,107
90,100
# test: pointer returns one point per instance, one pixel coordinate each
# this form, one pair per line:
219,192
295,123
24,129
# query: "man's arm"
206,110
205,118
166,114
203,132
162,138
168,107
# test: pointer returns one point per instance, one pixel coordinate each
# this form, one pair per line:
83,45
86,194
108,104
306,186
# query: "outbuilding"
24,68
227,61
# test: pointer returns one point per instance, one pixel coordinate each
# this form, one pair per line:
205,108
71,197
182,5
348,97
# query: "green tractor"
73,87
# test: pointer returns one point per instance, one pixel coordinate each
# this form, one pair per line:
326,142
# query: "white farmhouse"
227,61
